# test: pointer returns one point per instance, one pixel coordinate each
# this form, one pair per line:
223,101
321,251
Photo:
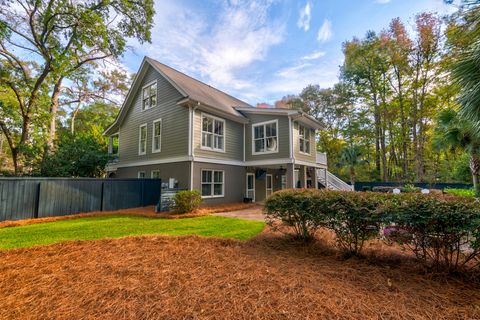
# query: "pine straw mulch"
148,212
268,277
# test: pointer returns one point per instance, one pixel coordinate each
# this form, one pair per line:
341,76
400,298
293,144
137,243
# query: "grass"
470,193
116,226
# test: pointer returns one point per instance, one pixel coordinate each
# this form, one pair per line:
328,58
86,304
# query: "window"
265,139
304,136
213,133
113,144
142,139
141,174
269,185
149,96
212,183
155,174
157,135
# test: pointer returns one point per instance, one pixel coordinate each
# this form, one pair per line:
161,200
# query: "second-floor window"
142,139
304,137
213,133
265,137
149,96
157,135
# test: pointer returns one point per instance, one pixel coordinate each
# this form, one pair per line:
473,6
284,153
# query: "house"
194,136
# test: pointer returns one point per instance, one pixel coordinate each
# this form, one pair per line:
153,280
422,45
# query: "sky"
262,50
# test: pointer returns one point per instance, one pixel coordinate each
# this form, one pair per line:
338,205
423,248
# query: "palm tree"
456,132
351,156
465,42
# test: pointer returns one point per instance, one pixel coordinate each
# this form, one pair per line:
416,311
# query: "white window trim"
246,185
140,172
143,88
212,183
140,139
309,140
266,183
206,115
151,174
253,137
110,144
153,135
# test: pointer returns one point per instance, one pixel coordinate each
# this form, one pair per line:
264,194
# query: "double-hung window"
155,174
157,135
265,137
142,139
149,96
304,136
213,133
212,183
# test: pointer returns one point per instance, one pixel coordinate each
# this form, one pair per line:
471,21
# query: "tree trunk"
352,175
53,113
475,170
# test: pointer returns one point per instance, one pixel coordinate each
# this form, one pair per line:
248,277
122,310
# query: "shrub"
354,217
187,201
439,231
469,193
410,188
294,208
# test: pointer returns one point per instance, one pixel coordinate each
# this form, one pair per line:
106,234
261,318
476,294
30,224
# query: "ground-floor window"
269,185
155,174
283,181
212,183
141,174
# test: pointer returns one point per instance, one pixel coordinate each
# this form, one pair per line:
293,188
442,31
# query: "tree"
352,156
62,37
456,132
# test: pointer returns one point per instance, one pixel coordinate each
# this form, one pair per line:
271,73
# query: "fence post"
101,197
37,201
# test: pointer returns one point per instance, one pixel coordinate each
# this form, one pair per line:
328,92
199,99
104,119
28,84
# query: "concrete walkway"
254,213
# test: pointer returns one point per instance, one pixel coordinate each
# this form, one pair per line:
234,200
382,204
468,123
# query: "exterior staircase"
332,182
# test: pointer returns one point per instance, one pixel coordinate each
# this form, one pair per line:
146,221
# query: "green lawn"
116,226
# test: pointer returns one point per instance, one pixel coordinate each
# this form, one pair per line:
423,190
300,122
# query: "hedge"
440,230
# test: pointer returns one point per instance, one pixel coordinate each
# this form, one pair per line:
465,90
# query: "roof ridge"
203,83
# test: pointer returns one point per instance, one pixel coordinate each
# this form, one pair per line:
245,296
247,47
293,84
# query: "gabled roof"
199,91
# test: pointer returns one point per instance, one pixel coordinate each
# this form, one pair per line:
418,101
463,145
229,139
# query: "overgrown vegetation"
443,232
187,201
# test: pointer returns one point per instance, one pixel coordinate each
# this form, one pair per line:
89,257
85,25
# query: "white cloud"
215,48
305,16
382,1
325,32
314,55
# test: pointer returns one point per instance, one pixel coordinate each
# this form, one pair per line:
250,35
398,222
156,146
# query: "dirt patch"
268,277
144,212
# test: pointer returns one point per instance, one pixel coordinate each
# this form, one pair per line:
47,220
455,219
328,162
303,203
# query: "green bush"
410,188
355,217
294,208
441,232
469,193
187,201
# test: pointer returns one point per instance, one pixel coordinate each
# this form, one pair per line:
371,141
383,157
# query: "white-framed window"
141,174
213,133
113,144
142,139
149,95
265,137
155,174
304,139
213,183
157,136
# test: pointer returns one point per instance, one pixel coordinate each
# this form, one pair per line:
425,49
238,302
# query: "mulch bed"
148,212
268,277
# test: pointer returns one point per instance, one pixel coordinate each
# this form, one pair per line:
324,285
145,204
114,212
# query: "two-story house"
184,131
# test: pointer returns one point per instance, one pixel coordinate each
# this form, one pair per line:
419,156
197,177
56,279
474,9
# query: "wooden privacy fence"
26,198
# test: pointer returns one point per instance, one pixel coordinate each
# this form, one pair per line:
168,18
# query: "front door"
269,185
251,186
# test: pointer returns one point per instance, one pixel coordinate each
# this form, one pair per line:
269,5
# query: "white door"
283,181
269,185
251,186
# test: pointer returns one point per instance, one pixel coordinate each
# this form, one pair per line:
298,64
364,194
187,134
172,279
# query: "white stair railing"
332,182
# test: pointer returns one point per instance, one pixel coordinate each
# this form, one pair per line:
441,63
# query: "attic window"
149,96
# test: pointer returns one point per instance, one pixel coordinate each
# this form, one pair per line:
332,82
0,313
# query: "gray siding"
234,188
174,141
312,157
177,170
283,137
233,139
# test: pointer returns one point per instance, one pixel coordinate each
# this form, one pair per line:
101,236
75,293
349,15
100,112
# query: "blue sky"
262,50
